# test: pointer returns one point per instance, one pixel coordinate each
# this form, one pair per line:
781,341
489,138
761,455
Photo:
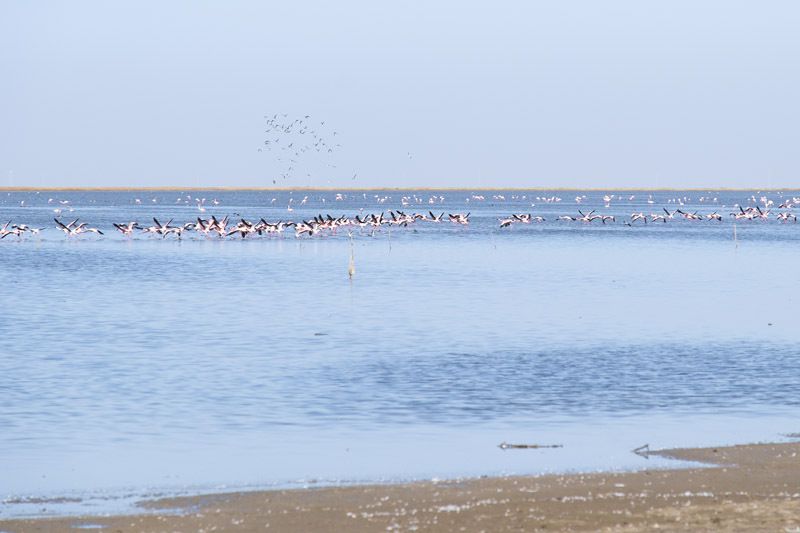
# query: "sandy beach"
749,488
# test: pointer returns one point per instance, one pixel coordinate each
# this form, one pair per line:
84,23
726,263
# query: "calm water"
151,365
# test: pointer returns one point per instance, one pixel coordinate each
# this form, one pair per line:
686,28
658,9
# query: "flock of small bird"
293,140
243,228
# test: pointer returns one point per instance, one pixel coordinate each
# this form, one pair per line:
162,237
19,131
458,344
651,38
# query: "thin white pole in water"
735,240
351,267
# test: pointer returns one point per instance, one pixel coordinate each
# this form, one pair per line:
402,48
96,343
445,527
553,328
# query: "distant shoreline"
399,189
745,487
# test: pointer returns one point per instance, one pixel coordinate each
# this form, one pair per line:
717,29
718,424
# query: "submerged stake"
351,267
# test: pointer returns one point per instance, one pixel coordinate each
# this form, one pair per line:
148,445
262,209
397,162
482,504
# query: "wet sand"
750,488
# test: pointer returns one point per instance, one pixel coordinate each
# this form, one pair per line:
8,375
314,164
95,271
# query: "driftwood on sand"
506,446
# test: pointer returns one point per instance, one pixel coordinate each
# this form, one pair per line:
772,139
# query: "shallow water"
149,364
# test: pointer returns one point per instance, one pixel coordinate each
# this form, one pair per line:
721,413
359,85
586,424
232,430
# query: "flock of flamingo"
327,224
213,227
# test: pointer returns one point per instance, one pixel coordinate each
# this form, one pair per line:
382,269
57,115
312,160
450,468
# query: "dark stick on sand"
643,451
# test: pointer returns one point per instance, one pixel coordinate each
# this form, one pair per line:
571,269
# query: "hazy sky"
559,93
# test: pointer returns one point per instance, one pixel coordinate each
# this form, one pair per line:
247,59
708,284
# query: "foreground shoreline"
752,487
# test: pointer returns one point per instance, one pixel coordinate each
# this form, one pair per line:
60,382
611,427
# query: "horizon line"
327,188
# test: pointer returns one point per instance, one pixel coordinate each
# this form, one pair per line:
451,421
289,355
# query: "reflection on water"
173,364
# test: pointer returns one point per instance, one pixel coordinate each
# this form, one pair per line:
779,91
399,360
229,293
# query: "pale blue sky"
573,93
